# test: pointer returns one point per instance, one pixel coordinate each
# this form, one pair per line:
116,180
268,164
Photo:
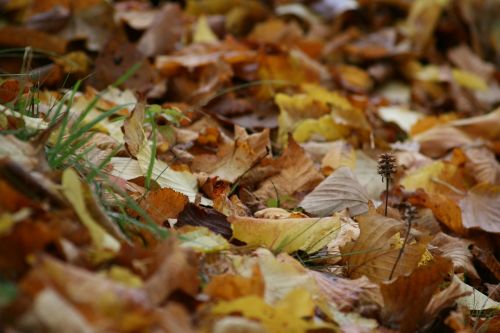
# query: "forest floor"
250,166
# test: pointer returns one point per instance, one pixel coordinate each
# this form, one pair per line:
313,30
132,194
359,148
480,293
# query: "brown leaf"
348,294
488,260
483,165
406,298
163,204
375,251
443,300
456,249
297,174
132,130
337,192
165,32
481,208
87,292
463,57
116,55
205,217
177,269
235,158
11,36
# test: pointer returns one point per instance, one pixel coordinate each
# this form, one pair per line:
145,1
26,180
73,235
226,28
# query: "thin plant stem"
387,180
400,254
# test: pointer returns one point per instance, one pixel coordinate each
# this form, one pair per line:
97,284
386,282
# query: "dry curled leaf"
457,250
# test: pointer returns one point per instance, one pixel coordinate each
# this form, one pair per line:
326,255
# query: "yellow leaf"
317,111
287,316
201,239
286,235
202,32
323,128
469,80
125,276
105,245
437,177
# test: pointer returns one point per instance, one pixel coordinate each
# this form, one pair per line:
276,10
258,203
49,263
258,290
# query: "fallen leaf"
444,299
475,300
176,268
286,235
457,250
163,204
87,292
105,245
287,315
406,298
294,165
488,260
236,158
202,32
375,251
202,239
403,117
166,30
205,217
482,165
481,208
337,192
229,286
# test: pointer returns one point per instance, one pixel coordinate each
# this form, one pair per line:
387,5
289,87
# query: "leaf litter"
211,166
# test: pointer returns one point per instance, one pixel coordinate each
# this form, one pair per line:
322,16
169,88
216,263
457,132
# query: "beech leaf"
339,191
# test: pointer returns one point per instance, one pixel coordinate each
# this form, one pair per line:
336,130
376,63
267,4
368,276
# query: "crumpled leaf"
287,315
337,192
235,158
481,208
456,249
294,165
202,239
286,235
375,251
106,246
406,298
484,126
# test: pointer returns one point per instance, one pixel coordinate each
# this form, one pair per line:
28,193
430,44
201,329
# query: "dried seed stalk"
387,166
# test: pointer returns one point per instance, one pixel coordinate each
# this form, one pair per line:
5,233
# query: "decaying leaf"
339,191
163,204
